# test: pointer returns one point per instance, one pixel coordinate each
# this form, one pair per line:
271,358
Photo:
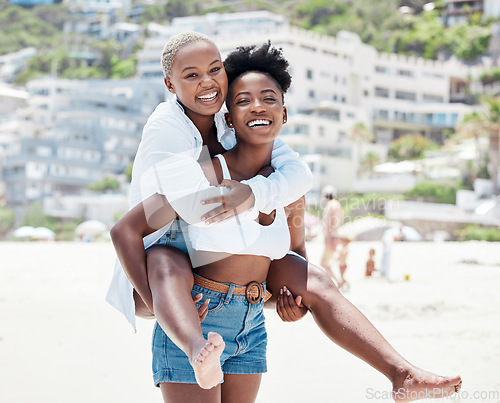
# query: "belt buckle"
254,292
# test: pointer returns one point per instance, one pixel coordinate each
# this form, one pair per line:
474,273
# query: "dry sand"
61,343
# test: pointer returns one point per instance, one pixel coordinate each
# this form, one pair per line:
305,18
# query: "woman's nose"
257,106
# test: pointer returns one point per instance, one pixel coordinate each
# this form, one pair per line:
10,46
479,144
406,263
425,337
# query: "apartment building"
72,134
13,63
391,94
458,11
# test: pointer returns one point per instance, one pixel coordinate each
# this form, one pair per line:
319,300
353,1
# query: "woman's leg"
240,388
345,325
171,280
185,392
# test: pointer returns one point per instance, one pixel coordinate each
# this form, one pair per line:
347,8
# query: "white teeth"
208,97
259,122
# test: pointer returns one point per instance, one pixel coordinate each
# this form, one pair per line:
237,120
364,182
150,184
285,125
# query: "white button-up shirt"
167,163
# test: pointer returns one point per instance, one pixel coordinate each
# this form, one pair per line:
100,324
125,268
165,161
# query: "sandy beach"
61,343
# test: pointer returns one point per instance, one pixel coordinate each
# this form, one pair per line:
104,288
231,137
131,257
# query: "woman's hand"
238,200
288,308
203,309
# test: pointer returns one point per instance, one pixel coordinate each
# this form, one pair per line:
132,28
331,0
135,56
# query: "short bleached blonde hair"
175,44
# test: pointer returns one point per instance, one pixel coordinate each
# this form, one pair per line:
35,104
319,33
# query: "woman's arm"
127,236
295,214
288,307
291,179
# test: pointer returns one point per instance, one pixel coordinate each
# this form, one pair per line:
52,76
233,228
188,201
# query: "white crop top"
243,235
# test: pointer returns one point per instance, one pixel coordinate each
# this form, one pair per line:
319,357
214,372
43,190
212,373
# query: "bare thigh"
163,262
240,388
188,392
301,278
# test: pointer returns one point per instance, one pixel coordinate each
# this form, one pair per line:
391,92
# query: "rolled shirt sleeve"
291,180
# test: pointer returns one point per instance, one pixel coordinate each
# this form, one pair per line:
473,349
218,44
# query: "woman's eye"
270,99
215,69
191,75
241,101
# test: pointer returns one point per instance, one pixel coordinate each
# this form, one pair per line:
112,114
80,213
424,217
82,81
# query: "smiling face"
198,79
256,108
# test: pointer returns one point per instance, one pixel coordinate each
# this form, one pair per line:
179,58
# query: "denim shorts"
240,324
173,237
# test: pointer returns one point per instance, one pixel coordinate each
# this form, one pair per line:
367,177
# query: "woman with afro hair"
248,255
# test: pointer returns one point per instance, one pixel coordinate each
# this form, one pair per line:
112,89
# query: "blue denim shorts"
240,324
173,237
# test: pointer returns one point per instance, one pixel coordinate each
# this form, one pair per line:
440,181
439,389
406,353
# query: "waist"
237,269
254,291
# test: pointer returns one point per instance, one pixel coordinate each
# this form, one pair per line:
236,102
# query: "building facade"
391,95
75,133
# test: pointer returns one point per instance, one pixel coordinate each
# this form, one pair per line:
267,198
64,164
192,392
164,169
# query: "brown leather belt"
253,291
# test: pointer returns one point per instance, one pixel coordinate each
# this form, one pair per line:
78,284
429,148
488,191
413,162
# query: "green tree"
106,184
35,217
369,161
410,147
433,192
468,41
7,218
128,171
489,120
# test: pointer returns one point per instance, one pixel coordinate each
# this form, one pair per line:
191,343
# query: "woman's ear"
284,115
228,120
169,85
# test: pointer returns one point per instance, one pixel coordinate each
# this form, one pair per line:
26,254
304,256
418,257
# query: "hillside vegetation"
378,23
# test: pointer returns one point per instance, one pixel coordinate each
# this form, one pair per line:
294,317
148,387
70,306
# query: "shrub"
434,192
479,233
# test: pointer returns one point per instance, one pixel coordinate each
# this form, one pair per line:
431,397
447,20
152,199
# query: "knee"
319,286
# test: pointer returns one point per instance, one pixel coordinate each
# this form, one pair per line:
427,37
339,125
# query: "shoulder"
166,112
167,121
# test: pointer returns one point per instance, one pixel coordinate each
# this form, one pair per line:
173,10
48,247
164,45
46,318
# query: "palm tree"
361,134
369,160
471,126
490,117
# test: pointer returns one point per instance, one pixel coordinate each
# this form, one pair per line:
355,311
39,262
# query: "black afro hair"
264,59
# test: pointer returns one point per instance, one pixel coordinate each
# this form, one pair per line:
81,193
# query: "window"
381,114
432,98
311,94
407,96
381,69
309,74
321,131
405,73
381,92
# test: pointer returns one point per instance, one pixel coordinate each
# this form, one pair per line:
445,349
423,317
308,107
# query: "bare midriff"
236,269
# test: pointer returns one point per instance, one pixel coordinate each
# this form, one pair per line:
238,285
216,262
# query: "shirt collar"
225,135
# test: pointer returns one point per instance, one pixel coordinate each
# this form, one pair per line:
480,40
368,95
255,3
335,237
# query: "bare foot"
417,384
206,364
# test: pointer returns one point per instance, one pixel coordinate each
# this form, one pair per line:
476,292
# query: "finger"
211,200
197,298
203,316
218,199
279,303
229,183
213,214
298,301
285,316
203,310
220,217
289,304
